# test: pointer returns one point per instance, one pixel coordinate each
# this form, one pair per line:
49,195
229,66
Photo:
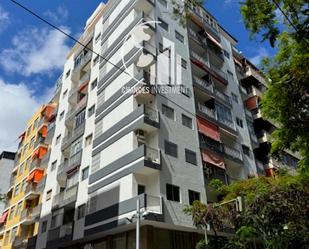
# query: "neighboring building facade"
6,165
253,84
27,180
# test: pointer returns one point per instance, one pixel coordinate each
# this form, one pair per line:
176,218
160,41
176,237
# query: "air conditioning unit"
140,135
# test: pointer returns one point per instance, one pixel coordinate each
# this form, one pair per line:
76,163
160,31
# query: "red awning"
36,176
210,37
208,129
83,86
213,159
3,217
252,103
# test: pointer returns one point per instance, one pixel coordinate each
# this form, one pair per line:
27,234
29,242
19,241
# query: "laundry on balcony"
208,129
35,176
213,159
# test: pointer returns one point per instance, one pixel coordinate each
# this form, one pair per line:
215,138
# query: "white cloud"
4,19
58,16
35,51
18,104
261,53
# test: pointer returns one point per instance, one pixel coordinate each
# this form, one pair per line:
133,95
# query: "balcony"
210,144
67,166
219,74
263,137
146,92
202,41
71,137
40,186
144,5
150,120
60,234
226,123
74,91
203,84
31,191
70,116
45,160
205,111
233,154
223,97
80,62
252,73
199,60
36,164
65,198
20,243
30,215
50,132
152,156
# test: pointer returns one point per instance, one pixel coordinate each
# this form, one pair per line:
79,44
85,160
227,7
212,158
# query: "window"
170,148
97,38
183,63
234,98
94,84
12,212
193,196
44,226
85,173
18,209
141,189
172,193
72,179
165,50
96,60
80,119
239,122
190,157
163,24
246,150
168,111
21,169
91,111
88,140
81,210
53,165
186,121
16,192
13,234
48,195
179,37
61,115
53,222
58,139
31,142
24,185
67,74
163,2
226,54
65,93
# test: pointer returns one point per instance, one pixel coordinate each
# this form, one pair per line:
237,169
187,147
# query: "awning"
35,176
252,103
3,217
208,129
39,152
209,157
210,37
83,86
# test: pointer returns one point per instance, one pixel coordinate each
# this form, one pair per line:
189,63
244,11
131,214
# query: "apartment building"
6,165
26,181
155,120
253,84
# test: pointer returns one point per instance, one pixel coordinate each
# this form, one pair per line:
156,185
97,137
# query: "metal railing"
40,141
83,60
40,186
222,96
219,72
30,214
227,122
152,155
203,83
74,160
233,153
208,143
67,196
207,111
151,113
31,188
198,37
199,58
60,232
153,204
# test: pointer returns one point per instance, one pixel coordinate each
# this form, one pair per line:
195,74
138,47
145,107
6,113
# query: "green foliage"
181,9
275,216
287,100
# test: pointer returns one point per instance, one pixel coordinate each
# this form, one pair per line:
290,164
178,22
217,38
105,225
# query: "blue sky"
32,54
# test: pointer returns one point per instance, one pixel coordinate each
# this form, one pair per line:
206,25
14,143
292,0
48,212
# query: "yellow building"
27,180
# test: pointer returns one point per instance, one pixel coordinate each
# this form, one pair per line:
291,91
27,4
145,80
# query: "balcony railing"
151,113
250,71
199,58
224,97
152,155
197,37
82,61
153,204
40,186
207,111
204,84
74,160
207,143
65,197
227,122
30,214
219,72
77,132
60,232
20,242
233,153
31,189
